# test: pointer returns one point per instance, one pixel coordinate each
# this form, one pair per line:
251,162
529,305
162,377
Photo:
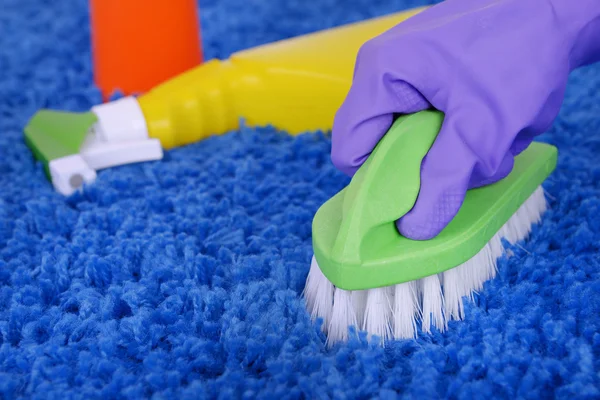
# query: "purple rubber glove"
497,69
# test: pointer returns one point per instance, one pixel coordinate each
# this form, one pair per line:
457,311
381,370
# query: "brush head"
402,311
365,274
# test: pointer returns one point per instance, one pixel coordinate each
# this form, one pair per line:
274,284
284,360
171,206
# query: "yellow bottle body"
296,85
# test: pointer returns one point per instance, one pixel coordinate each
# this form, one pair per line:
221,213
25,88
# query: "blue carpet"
182,278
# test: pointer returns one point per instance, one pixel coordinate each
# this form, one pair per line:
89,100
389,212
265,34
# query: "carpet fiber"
182,278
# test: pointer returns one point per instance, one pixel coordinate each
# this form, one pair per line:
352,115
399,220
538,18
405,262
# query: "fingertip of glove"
343,163
427,219
417,231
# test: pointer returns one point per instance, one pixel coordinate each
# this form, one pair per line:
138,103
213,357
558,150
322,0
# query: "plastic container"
296,85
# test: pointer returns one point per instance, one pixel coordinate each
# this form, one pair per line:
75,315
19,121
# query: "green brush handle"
386,186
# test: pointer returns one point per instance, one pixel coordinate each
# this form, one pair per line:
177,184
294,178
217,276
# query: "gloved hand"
497,69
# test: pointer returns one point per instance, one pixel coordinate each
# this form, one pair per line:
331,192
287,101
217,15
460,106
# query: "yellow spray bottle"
296,85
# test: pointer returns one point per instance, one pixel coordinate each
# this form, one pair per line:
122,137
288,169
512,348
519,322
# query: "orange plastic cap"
138,44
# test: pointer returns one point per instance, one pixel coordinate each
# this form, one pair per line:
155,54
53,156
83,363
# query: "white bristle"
433,303
359,301
394,311
378,313
454,290
342,316
319,294
462,281
406,310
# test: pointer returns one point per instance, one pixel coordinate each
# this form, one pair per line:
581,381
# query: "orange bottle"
138,44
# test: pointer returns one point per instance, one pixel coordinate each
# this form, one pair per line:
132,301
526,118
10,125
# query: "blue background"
182,278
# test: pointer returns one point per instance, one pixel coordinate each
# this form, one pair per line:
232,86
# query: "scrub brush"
365,274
